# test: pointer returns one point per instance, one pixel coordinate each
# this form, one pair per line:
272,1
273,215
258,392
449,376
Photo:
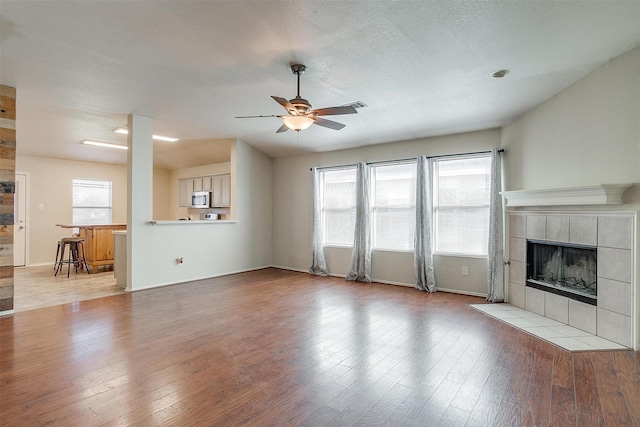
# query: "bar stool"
75,255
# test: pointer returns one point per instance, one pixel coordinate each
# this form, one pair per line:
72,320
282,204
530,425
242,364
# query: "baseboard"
7,312
299,270
389,282
159,285
40,264
457,291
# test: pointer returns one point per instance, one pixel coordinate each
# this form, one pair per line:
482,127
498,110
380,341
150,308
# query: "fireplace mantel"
605,194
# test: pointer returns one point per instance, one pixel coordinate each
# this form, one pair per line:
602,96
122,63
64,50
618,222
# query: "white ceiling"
421,67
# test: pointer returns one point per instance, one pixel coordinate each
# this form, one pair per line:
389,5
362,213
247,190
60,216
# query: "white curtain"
318,262
423,256
361,256
495,267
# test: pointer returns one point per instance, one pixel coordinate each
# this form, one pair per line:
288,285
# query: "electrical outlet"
464,270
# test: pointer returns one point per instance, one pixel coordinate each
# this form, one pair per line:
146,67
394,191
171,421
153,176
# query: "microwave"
201,199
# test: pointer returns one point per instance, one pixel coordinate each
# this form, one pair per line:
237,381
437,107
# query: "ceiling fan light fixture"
297,123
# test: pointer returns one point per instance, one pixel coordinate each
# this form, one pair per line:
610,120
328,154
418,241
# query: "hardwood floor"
278,348
37,287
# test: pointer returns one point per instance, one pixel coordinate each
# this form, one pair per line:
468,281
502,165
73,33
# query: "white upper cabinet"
221,188
185,190
219,185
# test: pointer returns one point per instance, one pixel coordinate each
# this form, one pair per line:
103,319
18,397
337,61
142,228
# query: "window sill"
454,255
195,221
397,251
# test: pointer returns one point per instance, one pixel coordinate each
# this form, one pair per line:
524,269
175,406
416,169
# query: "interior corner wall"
50,184
213,249
587,134
7,190
292,204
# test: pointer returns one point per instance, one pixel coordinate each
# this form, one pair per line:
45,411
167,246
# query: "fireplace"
564,269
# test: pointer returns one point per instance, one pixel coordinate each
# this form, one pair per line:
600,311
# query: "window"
393,205
91,201
338,206
461,205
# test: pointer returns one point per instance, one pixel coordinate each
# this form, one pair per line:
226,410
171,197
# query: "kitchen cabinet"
221,187
206,183
185,190
197,184
98,242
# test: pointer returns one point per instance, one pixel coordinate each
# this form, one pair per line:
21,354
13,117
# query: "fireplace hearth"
563,269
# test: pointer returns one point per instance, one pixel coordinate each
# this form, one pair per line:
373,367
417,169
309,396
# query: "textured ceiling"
421,67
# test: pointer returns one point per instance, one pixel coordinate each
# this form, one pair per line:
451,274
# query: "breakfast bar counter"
98,242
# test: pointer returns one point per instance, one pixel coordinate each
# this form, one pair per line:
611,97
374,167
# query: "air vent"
499,74
357,104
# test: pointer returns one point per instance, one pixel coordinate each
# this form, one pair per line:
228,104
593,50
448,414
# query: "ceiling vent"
357,104
499,74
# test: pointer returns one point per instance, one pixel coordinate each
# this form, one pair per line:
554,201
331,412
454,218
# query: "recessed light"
125,131
499,74
103,144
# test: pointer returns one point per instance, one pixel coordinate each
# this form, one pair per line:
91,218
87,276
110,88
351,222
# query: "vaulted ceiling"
422,68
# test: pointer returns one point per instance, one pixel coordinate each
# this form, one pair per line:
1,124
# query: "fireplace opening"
563,269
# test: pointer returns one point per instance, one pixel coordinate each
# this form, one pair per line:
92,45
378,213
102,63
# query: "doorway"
20,221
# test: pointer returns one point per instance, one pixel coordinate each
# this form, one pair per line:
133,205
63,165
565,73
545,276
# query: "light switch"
41,206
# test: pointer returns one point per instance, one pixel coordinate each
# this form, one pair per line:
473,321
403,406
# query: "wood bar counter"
98,242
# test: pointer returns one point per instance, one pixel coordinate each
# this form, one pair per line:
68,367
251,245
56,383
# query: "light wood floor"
278,348
37,287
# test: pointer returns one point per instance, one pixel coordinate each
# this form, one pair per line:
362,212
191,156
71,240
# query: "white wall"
211,249
587,134
292,212
50,184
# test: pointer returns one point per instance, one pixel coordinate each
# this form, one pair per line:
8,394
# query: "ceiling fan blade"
254,117
286,104
328,124
282,128
335,111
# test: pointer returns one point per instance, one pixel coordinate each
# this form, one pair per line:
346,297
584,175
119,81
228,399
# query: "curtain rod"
411,158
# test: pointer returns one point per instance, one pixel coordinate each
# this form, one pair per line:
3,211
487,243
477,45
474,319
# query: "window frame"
324,209
436,206
373,208
75,183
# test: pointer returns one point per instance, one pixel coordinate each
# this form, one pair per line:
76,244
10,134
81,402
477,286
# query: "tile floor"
557,333
37,287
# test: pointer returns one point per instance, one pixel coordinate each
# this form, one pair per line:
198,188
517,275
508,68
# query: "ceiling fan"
301,116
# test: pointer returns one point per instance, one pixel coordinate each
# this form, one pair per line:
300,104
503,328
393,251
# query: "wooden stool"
75,255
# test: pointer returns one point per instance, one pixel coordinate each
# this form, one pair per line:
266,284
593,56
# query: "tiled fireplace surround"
612,234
